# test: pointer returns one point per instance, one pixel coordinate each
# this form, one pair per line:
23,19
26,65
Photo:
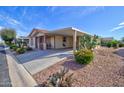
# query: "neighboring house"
60,38
24,39
107,39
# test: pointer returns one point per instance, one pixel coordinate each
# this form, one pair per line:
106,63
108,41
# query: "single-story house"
107,39
23,39
56,39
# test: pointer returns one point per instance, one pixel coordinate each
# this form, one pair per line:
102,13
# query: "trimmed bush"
29,49
115,44
109,44
83,56
20,50
121,45
13,47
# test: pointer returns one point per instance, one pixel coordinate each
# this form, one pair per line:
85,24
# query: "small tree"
85,54
8,35
89,42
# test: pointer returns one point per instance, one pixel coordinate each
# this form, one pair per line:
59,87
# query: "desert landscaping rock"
106,70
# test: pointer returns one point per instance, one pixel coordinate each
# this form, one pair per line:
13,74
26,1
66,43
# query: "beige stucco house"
56,39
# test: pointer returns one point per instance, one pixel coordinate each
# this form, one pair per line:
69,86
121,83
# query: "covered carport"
70,31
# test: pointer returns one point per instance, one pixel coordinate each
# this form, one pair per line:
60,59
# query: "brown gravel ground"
106,70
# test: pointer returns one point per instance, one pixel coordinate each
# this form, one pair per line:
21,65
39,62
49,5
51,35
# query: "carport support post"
44,42
74,40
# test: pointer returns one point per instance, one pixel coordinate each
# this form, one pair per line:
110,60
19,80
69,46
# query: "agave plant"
59,79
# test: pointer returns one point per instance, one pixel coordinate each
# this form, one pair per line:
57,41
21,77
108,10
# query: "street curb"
18,74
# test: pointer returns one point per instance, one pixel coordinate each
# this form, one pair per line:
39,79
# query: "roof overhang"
64,31
68,31
35,32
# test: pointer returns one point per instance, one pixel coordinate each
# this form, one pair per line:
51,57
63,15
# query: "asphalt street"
4,73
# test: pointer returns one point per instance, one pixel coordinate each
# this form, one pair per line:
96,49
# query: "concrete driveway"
38,60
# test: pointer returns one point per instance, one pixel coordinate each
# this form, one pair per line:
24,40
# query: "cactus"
59,79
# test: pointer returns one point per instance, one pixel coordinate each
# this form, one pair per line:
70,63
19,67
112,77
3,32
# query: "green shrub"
109,44
83,56
13,47
29,49
20,50
121,45
115,44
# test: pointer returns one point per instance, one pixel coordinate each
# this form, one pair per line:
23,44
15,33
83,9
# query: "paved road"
4,74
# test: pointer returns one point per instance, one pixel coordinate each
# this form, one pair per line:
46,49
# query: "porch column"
44,42
74,40
34,42
38,42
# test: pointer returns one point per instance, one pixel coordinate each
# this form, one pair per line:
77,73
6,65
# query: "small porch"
55,42
42,42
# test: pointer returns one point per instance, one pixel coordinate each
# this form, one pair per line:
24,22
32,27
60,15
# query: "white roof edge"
73,28
80,30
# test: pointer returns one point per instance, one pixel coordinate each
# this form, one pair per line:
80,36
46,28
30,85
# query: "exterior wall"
32,42
52,42
69,42
59,42
55,41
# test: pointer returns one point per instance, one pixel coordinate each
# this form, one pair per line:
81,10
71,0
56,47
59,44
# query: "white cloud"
12,21
1,27
91,10
76,11
24,12
117,28
122,23
120,26
52,8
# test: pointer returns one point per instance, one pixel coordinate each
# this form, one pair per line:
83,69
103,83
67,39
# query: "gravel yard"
106,70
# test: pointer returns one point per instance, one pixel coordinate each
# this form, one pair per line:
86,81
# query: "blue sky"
103,21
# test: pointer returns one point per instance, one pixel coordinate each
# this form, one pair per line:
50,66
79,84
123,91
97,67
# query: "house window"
64,39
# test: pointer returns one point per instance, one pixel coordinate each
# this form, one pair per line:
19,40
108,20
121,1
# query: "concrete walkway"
18,74
38,60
